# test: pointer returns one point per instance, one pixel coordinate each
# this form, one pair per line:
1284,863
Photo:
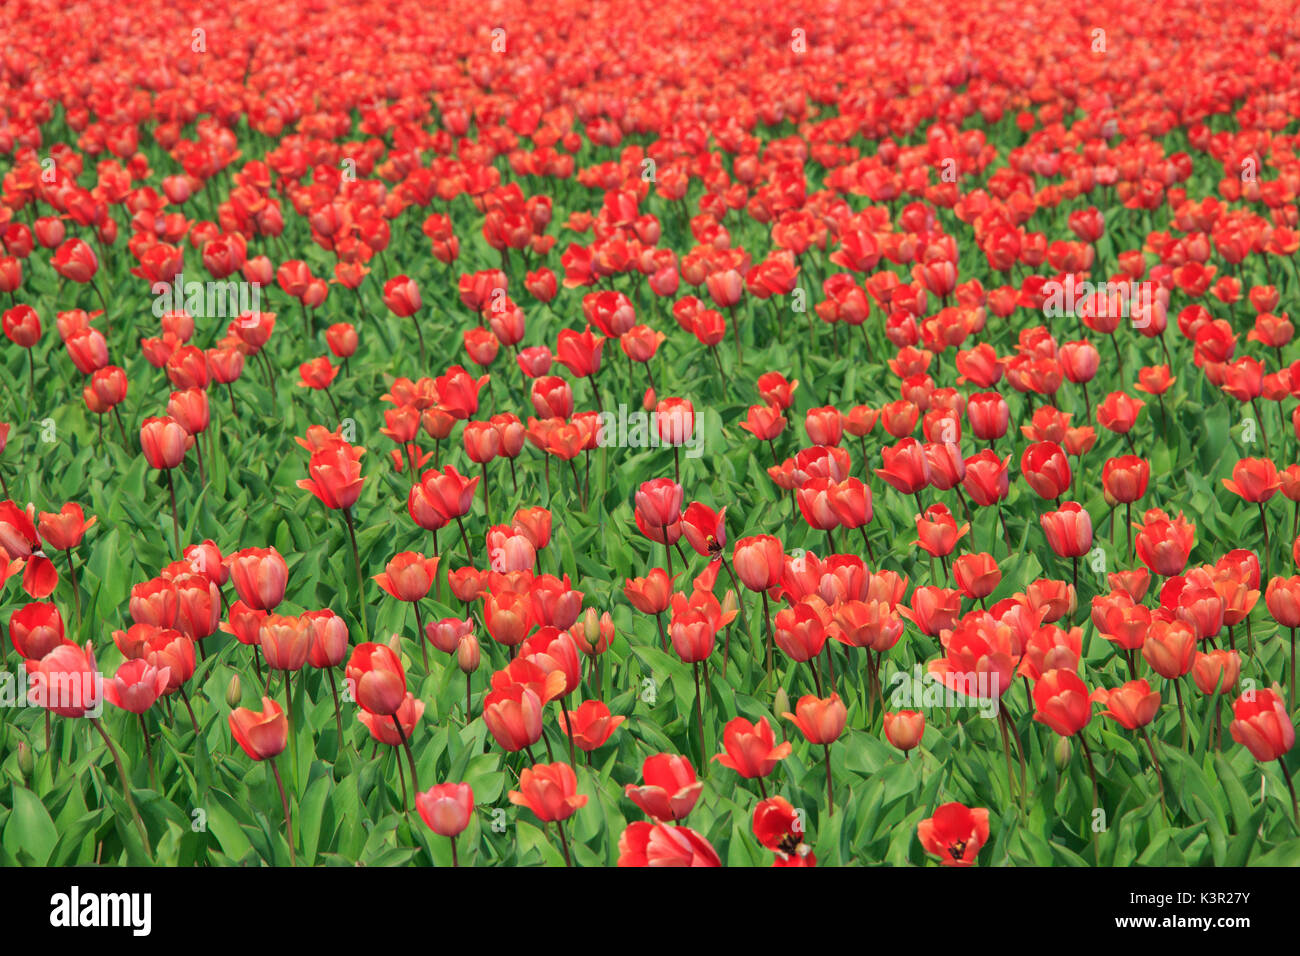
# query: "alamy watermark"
641,429
219,300
1098,299
76,690
981,689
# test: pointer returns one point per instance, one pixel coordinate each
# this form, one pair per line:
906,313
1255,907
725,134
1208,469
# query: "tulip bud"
467,654
233,692
730,603
26,762
590,623
1061,753
395,645
781,703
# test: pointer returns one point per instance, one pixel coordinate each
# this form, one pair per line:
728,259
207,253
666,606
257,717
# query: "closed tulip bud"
377,678
234,692
1062,753
1062,702
1210,668
164,442
446,808
467,654
905,729
781,701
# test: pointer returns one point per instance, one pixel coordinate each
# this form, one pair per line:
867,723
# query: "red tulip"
954,834
1068,531
1131,705
1262,725
377,679
751,749
656,844
904,729
820,720
259,576
262,735
550,791
446,808
592,724
670,790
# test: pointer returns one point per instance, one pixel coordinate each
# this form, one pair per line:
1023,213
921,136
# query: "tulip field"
649,434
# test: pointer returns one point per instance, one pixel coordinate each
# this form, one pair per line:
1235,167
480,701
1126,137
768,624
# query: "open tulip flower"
873,433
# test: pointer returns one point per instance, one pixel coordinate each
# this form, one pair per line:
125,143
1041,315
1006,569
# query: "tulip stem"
419,634
1006,751
148,751
1128,528
1291,688
288,821
1286,775
830,794
1155,762
464,537
126,783
1268,557
410,759
866,542
186,698
1006,535
564,842
333,404
356,563
699,717
338,718
1182,714
455,861
767,618
176,521
568,728
1092,775
76,592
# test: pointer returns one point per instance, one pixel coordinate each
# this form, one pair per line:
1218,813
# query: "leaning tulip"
70,674
378,685
263,736
1263,726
